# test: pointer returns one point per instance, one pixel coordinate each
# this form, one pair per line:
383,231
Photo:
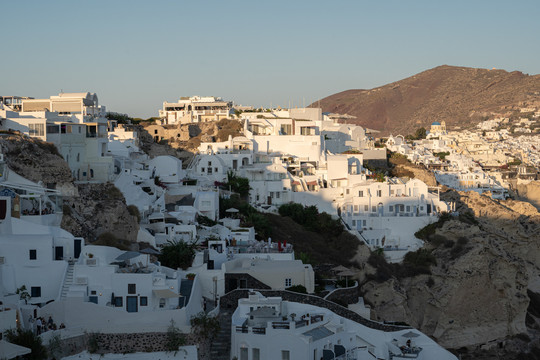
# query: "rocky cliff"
479,292
36,160
100,210
89,210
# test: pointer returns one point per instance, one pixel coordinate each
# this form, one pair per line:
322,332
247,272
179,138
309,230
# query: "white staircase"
68,280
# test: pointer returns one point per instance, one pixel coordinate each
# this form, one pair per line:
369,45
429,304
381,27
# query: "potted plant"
190,276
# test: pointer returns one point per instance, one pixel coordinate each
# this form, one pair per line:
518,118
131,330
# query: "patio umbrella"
150,251
339,268
347,273
410,334
10,351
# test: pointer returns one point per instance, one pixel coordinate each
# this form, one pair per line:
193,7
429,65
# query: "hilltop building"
194,109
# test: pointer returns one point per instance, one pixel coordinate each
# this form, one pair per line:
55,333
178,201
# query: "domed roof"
435,123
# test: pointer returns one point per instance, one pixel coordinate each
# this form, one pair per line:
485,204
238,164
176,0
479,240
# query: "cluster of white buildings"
305,156
298,155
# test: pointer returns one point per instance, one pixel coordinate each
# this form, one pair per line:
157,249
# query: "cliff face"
35,160
89,210
479,291
99,209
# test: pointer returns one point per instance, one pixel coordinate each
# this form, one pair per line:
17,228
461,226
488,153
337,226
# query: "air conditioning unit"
81,280
91,262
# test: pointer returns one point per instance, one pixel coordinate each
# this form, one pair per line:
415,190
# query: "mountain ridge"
457,95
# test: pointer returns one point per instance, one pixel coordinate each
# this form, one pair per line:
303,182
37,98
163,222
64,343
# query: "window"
285,355
35,291
155,131
209,163
366,208
361,193
277,194
288,282
132,288
355,208
78,157
143,301
373,208
209,171
391,208
347,191
255,354
33,254
408,208
379,193
243,284
36,129
162,303
118,301
52,129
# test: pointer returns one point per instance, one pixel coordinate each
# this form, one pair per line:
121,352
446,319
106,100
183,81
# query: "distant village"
265,302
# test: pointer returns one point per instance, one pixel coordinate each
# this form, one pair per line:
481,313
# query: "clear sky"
136,54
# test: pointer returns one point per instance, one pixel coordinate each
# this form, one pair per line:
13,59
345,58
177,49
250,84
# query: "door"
131,304
58,253
77,248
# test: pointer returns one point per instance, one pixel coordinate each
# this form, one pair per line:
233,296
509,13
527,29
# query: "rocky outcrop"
36,160
182,140
478,293
100,209
529,191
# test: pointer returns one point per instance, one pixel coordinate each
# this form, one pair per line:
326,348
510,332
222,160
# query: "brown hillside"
457,95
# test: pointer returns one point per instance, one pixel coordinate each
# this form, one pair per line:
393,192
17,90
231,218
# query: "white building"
195,109
75,123
269,328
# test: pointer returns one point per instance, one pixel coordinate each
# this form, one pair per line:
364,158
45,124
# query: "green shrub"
428,230
449,244
174,338
177,255
204,325
28,339
462,240
134,211
468,218
298,289
418,262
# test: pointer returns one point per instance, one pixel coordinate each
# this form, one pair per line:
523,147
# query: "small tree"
23,294
177,254
204,325
175,338
28,339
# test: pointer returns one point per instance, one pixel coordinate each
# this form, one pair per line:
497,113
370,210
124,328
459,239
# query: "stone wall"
344,295
251,282
230,301
126,343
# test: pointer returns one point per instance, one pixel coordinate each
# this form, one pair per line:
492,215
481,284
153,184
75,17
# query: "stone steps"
221,345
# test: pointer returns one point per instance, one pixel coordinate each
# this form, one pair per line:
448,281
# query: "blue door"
131,304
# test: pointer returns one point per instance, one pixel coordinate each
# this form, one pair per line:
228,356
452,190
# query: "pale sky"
136,54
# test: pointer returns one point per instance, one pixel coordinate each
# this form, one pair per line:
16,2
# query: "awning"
311,183
166,293
10,351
